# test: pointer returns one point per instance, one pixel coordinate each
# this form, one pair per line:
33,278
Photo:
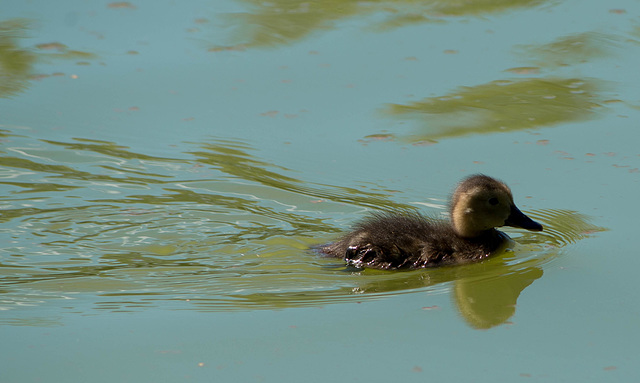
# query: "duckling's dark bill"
519,219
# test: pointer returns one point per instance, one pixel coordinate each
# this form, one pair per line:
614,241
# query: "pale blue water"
165,168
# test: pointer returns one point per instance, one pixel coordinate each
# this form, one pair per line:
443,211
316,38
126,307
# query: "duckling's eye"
493,201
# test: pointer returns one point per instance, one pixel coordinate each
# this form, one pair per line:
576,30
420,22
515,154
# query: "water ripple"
216,229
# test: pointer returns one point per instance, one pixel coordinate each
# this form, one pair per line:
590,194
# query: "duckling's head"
481,203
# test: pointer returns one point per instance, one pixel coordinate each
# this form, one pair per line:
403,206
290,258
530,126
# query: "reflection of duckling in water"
410,241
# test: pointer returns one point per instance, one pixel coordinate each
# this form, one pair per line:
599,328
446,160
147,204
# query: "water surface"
167,168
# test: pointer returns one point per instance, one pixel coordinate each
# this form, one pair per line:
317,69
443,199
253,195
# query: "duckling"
393,241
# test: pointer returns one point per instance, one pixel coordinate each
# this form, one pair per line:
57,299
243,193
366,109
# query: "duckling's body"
392,241
410,241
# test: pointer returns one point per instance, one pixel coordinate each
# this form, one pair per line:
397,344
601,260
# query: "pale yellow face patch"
479,209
